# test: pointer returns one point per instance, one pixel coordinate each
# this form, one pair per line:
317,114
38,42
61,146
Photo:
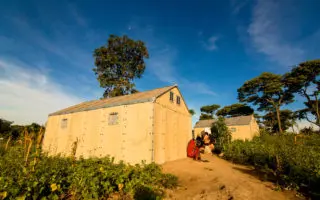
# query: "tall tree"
287,118
118,63
208,111
268,92
304,79
235,110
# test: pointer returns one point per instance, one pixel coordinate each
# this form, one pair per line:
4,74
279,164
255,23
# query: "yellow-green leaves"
53,187
3,195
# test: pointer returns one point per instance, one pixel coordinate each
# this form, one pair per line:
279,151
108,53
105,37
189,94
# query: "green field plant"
25,173
293,160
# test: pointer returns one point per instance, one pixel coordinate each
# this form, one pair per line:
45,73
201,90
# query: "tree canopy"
208,111
287,118
118,63
304,80
192,112
268,92
235,110
204,116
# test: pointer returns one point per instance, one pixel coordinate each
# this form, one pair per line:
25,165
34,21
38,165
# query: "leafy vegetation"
192,112
118,63
208,112
268,92
25,173
304,80
235,110
293,161
221,134
287,118
8,130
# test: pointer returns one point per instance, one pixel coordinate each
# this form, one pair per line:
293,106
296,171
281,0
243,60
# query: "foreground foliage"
294,161
66,178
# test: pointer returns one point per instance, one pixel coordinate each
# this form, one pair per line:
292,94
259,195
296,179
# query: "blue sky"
208,48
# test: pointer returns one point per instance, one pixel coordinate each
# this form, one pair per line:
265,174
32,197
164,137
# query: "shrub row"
294,163
65,178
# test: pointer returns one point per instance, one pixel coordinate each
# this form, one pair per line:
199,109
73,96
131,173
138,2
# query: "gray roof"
139,97
232,121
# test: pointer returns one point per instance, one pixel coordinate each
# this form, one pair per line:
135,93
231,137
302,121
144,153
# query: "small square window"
233,129
178,100
64,123
171,96
113,118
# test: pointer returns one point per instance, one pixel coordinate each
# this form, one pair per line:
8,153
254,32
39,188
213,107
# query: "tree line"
8,129
270,92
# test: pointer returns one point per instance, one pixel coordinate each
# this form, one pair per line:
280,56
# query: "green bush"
222,135
65,178
295,165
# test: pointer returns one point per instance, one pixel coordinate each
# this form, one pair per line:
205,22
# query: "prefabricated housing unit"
152,126
241,127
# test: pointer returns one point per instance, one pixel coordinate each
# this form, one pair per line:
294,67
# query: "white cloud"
238,5
28,95
211,44
161,65
269,36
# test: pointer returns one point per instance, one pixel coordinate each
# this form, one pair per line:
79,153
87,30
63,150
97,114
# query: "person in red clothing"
193,149
196,146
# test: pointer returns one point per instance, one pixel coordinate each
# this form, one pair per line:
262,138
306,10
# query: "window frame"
171,96
178,100
64,123
113,118
233,129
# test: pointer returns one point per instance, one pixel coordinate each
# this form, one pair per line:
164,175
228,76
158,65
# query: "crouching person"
193,148
208,142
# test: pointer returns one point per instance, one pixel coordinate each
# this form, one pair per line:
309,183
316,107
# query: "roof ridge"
139,92
143,96
230,121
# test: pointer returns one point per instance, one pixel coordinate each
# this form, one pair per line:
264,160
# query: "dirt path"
219,179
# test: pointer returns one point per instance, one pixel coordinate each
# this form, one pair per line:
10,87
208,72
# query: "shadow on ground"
264,175
145,193
261,174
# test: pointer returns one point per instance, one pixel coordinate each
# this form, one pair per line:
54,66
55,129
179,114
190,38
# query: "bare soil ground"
219,179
